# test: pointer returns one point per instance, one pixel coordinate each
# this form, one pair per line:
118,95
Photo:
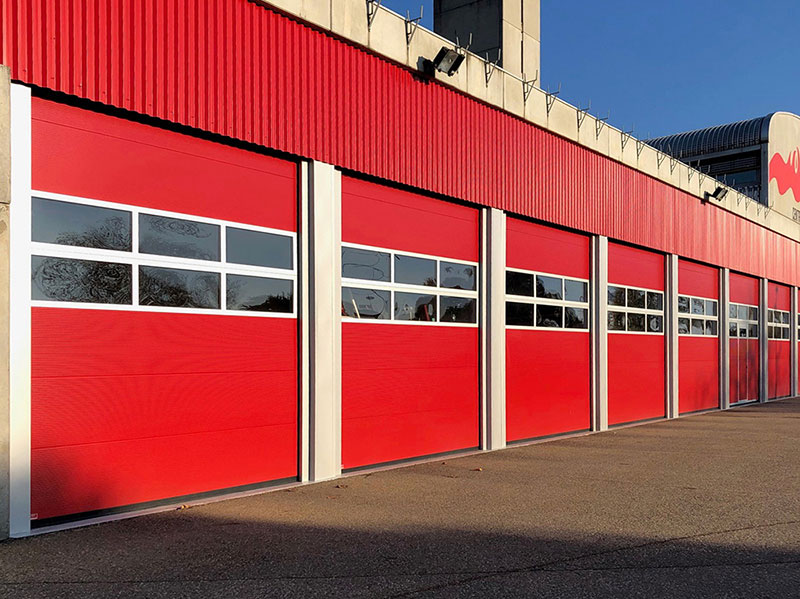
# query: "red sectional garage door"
743,326
779,305
164,336
410,341
698,337
636,354
548,362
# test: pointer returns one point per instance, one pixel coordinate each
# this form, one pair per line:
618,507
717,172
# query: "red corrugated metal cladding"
239,69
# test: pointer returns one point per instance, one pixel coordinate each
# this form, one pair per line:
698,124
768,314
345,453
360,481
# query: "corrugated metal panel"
236,68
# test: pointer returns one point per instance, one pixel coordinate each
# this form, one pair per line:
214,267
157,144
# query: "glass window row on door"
94,254
743,321
635,310
386,285
778,325
701,316
546,301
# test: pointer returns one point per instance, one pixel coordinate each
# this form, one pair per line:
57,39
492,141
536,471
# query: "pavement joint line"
474,575
546,566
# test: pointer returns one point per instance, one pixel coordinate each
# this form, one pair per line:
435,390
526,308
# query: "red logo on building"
786,173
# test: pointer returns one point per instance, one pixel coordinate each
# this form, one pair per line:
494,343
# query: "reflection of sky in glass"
80,225
414,271
167,236
258,294
549,287
257,248
365,264
457,276
575,291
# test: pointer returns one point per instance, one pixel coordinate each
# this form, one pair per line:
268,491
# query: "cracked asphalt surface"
703,506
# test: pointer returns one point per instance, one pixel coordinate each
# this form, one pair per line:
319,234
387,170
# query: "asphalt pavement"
702,506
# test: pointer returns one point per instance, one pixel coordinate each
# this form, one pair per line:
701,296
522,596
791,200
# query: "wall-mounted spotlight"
718,194
446,61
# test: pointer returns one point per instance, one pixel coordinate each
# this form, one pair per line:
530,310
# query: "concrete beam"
493,292
724,339
671,335
5,200
763,342
19,334
323,248
599,333
793,341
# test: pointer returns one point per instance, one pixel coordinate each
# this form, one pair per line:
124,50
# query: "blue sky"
668,66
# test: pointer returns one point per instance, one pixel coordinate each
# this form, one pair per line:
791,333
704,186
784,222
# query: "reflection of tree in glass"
70,280
175,237
275,302
458,311
183,289
113,233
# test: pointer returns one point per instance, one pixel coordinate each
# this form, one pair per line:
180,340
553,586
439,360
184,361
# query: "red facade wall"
131,406
548,373
636,362
408,390
238,69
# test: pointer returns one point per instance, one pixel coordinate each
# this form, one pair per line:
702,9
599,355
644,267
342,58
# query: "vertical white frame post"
599,332
324,268
303,315
724,339
793,341
20,315
763,342
493,290
671,335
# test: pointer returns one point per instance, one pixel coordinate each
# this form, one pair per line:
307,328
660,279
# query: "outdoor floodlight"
448,61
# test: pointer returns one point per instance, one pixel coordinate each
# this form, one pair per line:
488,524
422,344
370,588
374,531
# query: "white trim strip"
20,313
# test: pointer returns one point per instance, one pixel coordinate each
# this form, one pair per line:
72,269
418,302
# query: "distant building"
747,155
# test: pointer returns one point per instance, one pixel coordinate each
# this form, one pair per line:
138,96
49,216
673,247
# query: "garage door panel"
531,246
779,361
699,374
120,342
417,402
98,476
635,378
381,216
91,155
78,410
548,383
190,386
410,384
698,352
